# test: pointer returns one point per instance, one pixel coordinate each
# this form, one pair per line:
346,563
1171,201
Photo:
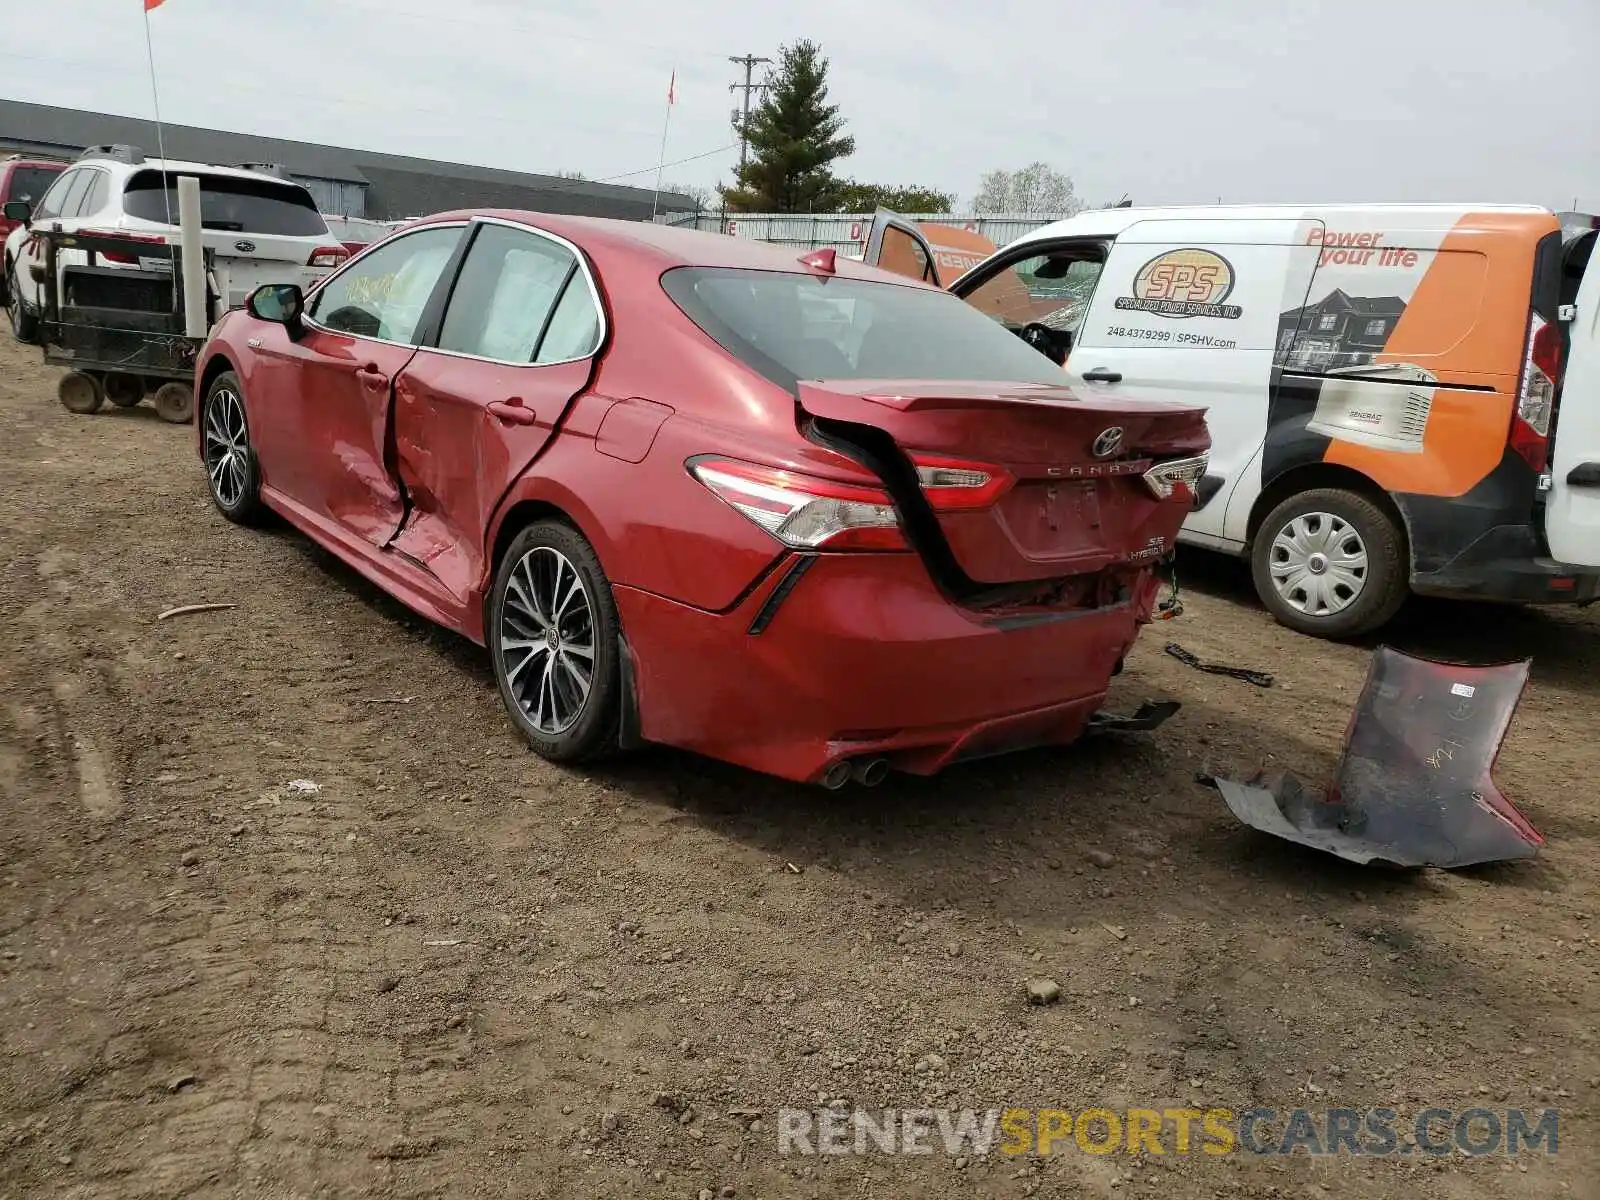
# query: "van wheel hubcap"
1319,564
547,639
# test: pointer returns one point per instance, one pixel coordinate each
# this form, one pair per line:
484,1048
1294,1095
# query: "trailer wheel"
80,393
175,402
124,390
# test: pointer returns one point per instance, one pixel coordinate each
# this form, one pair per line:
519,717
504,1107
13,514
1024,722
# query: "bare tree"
1036,188
703,197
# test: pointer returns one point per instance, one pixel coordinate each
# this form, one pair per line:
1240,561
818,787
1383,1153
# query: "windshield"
230,203
791,327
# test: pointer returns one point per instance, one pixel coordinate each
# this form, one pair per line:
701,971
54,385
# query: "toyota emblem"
1108,443
245,247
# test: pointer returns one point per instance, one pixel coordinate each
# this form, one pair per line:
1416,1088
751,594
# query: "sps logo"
1183,283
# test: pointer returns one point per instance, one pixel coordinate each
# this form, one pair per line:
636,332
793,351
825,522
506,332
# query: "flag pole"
661,160
155,100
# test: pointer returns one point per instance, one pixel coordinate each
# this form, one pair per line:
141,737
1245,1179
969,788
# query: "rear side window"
791,327
99,192
234,204
511,302
30,183
79,188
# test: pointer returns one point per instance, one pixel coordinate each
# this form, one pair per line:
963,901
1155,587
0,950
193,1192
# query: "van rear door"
1572,515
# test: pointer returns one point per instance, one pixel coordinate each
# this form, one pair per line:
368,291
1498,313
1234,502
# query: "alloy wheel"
227,447
547,639
1318,564
14,305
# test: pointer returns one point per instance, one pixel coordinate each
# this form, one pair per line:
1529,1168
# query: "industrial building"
344,182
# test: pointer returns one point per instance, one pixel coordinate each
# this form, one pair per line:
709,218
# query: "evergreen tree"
795,137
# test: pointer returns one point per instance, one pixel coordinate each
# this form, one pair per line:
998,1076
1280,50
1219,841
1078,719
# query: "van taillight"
1541,372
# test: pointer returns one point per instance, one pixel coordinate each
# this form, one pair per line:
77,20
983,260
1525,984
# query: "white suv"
261,228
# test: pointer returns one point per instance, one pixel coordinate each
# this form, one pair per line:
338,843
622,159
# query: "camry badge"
1108,443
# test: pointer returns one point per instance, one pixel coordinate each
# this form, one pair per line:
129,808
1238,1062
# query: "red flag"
672,86
149,4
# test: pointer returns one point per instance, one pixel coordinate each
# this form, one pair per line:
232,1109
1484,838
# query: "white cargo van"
1401,397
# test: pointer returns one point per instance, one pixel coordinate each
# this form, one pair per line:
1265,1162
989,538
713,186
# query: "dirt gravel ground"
454,970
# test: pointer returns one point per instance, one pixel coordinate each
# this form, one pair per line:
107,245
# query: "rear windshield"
791,327
236,205
31,183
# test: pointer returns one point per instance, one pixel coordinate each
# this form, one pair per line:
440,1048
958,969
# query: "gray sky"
1167,101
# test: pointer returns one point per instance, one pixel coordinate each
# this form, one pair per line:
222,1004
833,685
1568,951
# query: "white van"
1401,397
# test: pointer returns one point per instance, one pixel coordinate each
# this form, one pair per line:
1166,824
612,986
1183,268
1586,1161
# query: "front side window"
1052,290
233,203
520,298
791,327
53,200
383,294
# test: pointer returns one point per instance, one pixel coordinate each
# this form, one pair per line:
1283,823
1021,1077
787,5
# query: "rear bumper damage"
1414,785
861,658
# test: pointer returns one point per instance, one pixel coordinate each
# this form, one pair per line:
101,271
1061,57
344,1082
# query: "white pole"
155,99
661,159
194,265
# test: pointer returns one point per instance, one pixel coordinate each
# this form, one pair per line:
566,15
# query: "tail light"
1536,401
802,511
1164,479
327,256
956,485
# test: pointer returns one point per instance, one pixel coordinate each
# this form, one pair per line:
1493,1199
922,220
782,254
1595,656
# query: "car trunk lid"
1066,491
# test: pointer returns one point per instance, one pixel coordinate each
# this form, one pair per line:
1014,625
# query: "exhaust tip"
836,776
870,772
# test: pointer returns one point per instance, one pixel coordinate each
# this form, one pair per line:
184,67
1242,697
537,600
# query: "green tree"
795,137
853,197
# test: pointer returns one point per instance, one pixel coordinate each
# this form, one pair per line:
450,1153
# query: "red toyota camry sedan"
780,509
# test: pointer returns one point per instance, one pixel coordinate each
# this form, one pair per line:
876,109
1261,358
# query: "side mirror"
20,211
281,303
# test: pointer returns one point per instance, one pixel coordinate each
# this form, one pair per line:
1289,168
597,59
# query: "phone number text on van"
1166,335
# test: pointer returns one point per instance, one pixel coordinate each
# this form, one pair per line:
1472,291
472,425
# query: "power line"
748,62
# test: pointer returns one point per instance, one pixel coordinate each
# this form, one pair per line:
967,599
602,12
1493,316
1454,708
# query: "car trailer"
121,329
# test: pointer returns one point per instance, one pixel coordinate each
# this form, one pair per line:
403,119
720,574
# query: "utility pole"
749,62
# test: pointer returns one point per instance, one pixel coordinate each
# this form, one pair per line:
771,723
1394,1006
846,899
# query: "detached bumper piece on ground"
1414,785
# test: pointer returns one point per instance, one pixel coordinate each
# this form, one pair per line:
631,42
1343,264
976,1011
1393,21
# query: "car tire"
1331,563
540,674
230,458
24,325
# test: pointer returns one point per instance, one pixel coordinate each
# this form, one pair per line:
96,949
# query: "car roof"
1108,222
178,166
672,246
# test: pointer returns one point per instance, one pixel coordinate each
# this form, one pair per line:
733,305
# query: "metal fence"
847,232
